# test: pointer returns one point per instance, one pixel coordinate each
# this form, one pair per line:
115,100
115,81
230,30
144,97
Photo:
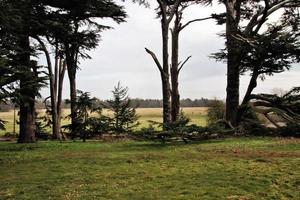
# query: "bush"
99,125
216,111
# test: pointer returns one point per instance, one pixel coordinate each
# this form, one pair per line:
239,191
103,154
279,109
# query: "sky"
120,56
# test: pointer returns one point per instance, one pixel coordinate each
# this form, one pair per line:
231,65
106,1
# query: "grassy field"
197,116
236,169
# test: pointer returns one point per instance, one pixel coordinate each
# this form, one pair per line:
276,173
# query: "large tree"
18,24
244,20
166,12
78,30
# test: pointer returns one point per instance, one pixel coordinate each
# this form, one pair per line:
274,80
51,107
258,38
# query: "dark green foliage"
99,125
83,107
124,115
2,125
182,131
215,111
41,125
290,130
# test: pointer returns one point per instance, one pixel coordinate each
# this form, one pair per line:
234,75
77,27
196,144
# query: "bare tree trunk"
175,97
52,86
27,104
166,74
233,62
62,69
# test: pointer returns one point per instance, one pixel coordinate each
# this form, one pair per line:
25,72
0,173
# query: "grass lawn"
240,168
197,116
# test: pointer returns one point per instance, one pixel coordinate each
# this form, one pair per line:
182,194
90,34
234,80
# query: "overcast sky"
120,56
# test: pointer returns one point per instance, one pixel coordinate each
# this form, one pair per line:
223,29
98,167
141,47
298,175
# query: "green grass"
246,168
197,116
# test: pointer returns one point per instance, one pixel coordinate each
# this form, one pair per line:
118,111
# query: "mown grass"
197,116
246,168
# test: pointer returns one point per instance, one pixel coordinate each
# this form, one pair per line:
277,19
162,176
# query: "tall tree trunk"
233,62
27,93
52,86
166,89
72,80
175,97
62,69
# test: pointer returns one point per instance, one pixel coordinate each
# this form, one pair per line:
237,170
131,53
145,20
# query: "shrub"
215,111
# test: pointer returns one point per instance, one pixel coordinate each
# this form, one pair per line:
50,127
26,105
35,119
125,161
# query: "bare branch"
155,60
195,20
183,63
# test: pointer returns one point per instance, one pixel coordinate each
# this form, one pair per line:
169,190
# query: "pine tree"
124,115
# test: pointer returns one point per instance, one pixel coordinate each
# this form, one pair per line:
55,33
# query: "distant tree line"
137,102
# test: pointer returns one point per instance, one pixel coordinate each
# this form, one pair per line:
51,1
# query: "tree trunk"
233,62
27,93
72,80
175,97
251,86
165,76
52,86
62,69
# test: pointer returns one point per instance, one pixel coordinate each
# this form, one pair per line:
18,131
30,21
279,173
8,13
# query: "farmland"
196,114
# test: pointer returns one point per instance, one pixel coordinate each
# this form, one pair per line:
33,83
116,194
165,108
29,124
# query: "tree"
166,12
84,106
244,20
79,31
274,52
56,78
18,23
124,115
176,66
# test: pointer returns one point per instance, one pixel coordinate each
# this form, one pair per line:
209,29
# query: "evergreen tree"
125,117
245,20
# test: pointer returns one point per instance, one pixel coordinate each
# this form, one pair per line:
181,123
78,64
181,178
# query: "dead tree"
166,13
176,66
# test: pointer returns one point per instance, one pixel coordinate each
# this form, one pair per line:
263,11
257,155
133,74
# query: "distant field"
196,114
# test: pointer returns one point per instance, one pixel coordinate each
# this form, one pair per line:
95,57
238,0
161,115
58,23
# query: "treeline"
137,102
156,103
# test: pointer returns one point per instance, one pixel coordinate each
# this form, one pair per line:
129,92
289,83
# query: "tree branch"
155,60
195,20
183,63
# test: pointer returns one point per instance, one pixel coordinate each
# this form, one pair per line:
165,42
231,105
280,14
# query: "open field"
197,116
245,168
